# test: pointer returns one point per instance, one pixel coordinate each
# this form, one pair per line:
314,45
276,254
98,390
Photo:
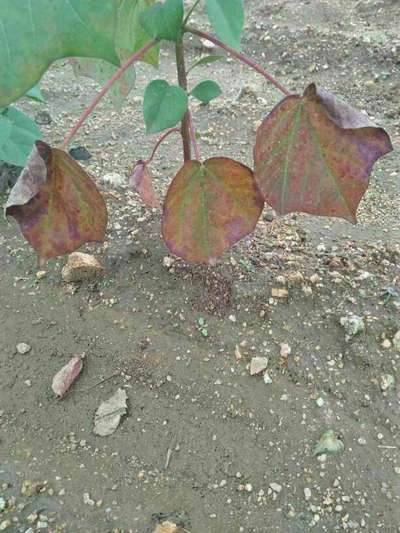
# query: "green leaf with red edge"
141,181
209,207
56,204
315,154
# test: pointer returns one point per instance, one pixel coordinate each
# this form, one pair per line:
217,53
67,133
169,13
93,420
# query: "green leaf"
131,35
206,91
5,130
34,34
163,105
227,19
206,60
35,93
164,21
101,71
18,132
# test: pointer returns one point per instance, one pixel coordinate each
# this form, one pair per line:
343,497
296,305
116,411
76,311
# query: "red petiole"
159,142
241,57
135,57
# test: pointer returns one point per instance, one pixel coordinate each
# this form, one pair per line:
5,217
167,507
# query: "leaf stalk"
89,110
159,142
238,55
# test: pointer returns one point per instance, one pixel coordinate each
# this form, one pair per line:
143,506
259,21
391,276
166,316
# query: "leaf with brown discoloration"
209,207
314,154
56,204
141,181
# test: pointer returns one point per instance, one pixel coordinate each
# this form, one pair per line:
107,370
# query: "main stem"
239,56
137,55
192,131
182,78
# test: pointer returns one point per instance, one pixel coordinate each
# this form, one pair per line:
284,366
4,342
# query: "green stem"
192,131
182,78
241,57
134,57
190,12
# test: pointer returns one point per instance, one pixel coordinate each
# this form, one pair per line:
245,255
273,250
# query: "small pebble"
23,348
267,378
275,487
320,402
386,343
258,365
168,261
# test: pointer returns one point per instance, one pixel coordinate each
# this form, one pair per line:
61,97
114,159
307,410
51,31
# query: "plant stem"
190,12
160,141
239,56
192,130
185,127
134,57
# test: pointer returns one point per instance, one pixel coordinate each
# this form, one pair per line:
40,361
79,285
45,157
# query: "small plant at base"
313,154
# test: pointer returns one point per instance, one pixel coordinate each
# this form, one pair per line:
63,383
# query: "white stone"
307,494
114,180
275,487
23,348
258,365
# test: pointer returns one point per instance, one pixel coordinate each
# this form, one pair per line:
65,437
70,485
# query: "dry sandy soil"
189,397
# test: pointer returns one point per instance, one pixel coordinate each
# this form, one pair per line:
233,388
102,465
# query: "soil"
221,450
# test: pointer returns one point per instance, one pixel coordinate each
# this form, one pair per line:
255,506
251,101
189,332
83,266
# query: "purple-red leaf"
210,206
63,380
141,181
56,204
315,155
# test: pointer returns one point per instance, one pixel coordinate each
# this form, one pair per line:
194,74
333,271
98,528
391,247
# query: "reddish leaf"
315,155
141,181
210,206
56,204
64,378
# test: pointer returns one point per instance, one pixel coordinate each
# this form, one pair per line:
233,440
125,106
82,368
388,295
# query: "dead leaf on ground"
108,415
63,380
166,527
